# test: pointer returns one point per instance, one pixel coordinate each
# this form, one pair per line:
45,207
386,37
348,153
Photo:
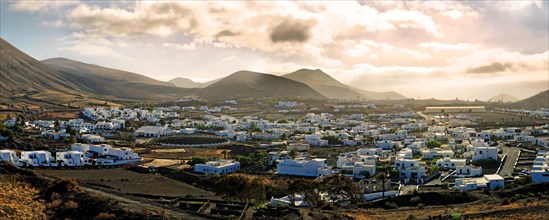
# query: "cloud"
225,33
92,51
291,31
35,6
492,68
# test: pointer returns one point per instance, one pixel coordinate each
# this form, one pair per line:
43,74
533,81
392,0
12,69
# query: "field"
17,199
130,182
499,119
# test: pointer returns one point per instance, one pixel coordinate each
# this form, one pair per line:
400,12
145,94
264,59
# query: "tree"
433,144
339,188
197,160
292,153
242,187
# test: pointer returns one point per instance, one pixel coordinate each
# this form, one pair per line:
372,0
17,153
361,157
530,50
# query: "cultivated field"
130,182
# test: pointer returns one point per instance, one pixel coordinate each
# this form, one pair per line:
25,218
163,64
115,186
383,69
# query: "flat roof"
443,107
493,177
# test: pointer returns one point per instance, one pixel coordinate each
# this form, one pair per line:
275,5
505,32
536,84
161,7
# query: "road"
509,163
429,118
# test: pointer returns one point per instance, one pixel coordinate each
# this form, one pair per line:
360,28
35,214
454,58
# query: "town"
382,155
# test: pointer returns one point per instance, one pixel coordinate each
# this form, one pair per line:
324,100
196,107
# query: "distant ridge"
188,83
247,84
331,88
503,98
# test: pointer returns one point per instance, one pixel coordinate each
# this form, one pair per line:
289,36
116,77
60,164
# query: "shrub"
391,205
415,200
420,205
505,202
103,216
71,205
411,217
486,191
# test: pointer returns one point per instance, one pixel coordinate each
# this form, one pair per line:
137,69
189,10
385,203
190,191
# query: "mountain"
185,83
103,81
247,84
20,73
188,83
503,98
541,100
331,88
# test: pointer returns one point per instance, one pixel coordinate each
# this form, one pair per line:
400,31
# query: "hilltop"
331,88
247,84
503,98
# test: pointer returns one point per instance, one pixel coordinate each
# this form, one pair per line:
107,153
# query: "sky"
430,49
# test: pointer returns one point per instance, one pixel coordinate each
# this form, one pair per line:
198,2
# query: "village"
384,155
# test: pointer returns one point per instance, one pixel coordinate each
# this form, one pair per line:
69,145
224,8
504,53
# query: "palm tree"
382,173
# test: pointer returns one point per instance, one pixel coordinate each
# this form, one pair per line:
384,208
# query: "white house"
436,153
387,144
540,169
481,151
451,163
11,122
93,138
468,170
217,167
123,153
302,167
36,158
153,131
9,155
316,140
72,158
409,169
493,181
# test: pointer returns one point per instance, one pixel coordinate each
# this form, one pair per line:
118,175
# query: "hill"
247,84
541,100
185,83
331,88
503,98
112,82
20,73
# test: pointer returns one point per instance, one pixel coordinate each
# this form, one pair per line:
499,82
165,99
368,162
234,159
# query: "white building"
316,140
463,170
481,151
451,163
153,131
9,155
302,167
217,167
72,158
436,153
409,169
493,181
454,109
93,138
540,169
387,144
36,158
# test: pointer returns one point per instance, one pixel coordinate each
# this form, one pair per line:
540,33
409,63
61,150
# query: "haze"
433,49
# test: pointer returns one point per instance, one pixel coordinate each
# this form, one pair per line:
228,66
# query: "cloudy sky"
420,49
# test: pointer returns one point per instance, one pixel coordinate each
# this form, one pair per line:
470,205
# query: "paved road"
408,189
512,157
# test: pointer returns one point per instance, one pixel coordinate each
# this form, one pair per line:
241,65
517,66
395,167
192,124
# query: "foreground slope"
541,100
331,88
112,82
20,73
247,84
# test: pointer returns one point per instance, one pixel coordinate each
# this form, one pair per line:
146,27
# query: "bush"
486,191
415,200
391,205
505,202
411,217
71,205
103,216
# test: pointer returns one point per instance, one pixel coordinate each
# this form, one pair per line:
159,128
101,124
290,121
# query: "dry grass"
17,199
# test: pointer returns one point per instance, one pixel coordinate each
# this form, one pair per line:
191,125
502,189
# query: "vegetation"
197,160
433,144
